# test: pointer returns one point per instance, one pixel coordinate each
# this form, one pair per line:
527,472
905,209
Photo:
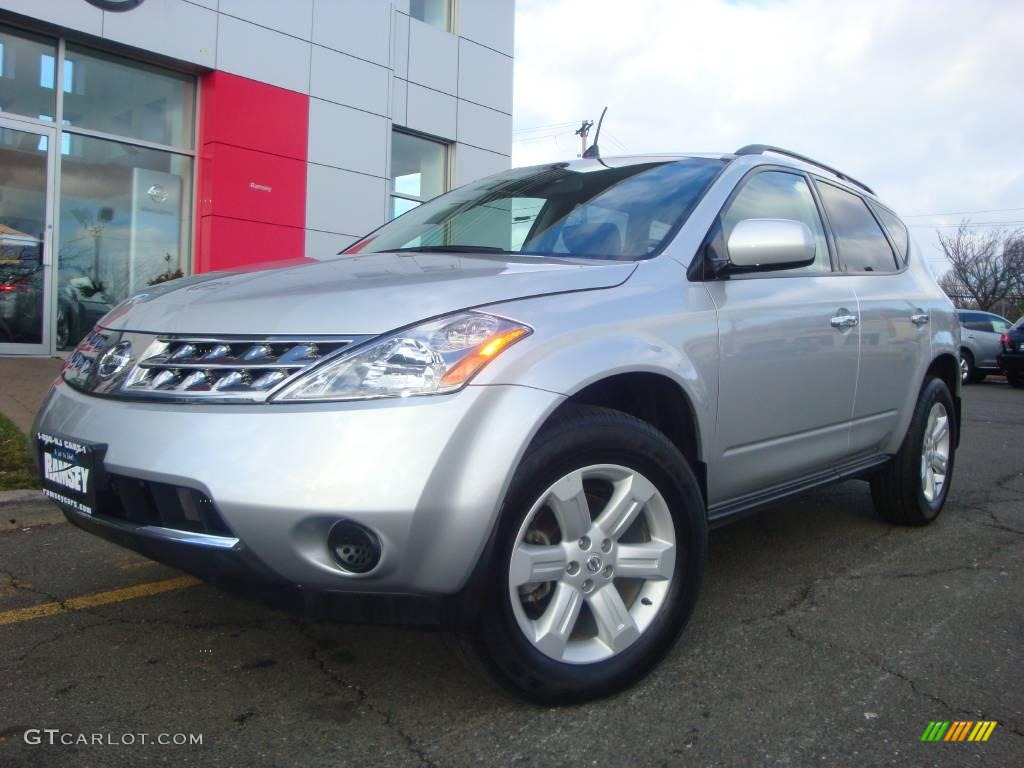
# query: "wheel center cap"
594,563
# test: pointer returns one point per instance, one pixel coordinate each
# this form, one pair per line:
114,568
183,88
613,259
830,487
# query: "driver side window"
780,195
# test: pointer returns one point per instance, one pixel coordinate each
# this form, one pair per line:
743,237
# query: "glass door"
26,227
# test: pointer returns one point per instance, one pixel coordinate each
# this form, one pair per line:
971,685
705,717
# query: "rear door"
892,302
788,368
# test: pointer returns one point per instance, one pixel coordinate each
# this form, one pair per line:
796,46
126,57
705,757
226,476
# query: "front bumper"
427,474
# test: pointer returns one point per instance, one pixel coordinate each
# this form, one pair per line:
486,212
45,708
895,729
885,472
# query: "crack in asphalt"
20,586
879,663
362,697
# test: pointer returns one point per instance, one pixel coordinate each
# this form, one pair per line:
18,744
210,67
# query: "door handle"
921,318
844,320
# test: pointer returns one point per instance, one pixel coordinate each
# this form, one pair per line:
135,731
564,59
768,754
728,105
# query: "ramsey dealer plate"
70,471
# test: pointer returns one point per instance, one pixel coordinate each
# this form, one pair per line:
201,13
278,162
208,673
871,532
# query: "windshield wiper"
451,249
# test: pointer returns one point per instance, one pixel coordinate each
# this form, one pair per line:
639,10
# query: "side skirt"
728,511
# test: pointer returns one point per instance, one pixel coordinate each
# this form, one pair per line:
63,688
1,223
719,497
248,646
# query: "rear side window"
862,246
976,322
979,321
897,229
779,195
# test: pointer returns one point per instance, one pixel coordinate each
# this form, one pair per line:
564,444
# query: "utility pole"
583,131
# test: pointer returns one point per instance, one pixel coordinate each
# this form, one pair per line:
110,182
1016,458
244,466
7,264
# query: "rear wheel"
912,488
600,552
1015,378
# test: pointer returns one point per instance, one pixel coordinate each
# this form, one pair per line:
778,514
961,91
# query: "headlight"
433,358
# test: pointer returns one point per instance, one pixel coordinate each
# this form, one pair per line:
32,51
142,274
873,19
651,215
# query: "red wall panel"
224,243
251,173
247,113
246,184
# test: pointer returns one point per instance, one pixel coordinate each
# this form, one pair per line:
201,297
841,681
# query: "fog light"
357,549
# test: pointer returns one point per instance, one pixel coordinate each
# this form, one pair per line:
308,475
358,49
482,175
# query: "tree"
986,268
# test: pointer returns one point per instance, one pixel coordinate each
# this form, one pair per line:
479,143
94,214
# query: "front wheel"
969,373
912,488
599,558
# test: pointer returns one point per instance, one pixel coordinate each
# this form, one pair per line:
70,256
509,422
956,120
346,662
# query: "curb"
20,497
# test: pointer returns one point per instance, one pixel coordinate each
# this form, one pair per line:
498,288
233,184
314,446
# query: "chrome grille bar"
225,368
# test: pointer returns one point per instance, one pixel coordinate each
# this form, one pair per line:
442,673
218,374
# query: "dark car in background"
1011,359
81,301
980,334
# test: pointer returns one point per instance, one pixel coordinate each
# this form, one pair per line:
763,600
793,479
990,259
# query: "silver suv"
518,408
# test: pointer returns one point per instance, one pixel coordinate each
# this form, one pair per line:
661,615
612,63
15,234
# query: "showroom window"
27,74
437,13
123,183
419,171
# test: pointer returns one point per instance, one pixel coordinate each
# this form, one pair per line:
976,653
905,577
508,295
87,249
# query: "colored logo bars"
959,730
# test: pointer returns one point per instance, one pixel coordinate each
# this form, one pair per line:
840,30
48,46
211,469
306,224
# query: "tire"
901,491
595,446
1015,379
63,330
969,373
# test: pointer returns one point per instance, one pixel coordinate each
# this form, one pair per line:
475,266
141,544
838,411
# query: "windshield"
595,212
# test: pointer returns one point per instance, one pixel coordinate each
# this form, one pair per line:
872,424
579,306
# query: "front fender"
669,328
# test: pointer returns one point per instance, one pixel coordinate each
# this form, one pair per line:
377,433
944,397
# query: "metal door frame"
46,345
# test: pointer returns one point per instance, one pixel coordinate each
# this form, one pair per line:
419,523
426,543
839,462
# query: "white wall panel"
431,112
346,80
485,128
324,245
400,45
347,138
489,22
433,57
485,76
293,17
343,202
399,99
357,27
73,14
173,28
254,52
472,163
211,4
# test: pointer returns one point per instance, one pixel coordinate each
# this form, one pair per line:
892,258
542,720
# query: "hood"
365,294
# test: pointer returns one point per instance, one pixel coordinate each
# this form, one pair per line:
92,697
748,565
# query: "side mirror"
767,244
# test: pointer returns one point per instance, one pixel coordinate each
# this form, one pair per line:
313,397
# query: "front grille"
145,502
225,368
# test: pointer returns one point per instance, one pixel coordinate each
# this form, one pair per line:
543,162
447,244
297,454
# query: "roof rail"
760,149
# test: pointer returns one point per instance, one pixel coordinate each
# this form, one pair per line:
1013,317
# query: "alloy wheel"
592,564
935,452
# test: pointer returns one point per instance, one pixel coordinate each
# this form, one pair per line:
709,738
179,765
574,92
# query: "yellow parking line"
100,598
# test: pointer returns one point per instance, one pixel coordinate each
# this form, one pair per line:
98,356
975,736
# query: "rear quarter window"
897,229
862,245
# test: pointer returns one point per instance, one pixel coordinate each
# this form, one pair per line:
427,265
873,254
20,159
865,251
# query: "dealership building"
144,139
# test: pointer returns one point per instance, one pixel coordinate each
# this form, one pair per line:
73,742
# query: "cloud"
920,100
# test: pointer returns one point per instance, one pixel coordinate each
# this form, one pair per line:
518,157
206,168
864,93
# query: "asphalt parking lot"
823,637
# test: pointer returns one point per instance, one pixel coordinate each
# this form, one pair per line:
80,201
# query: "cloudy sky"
924,101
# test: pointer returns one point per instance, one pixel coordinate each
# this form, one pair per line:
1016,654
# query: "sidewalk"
24,382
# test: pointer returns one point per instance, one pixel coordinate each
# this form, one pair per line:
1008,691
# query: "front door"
26,184
788,348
